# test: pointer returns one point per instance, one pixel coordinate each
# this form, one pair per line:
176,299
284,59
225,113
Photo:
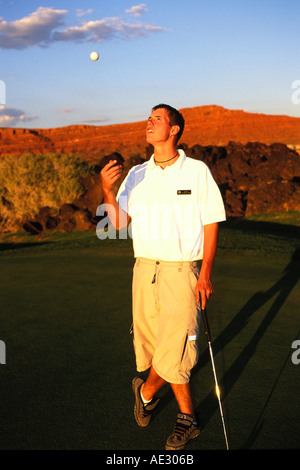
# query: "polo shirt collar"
177,165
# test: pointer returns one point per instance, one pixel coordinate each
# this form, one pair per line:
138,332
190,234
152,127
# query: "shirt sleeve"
212,206
135,175
124,191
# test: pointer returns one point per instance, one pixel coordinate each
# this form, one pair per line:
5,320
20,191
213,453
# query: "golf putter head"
206,327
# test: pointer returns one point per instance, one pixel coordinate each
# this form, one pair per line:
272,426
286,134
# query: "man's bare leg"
153,383
186,427
181,392
183,397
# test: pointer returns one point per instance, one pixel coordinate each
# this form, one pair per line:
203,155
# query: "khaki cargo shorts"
166,318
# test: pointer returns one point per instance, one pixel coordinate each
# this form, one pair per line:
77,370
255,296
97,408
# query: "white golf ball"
94,55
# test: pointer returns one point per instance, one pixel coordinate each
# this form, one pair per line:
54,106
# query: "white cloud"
137,10
35,29
45,26
9,117
95,120
80,12
102,30
64,110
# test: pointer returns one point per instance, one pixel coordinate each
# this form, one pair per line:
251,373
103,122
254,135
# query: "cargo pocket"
189,356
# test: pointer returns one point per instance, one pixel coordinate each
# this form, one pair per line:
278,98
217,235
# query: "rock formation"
253,158
205,125
253,178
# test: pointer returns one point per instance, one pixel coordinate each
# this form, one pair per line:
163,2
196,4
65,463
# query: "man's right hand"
109,175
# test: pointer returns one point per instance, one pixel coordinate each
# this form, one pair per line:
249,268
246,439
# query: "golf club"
207,333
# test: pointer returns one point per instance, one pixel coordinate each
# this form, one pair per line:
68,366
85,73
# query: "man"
174,207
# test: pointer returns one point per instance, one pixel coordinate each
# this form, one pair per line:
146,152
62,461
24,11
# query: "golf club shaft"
218,393
207,333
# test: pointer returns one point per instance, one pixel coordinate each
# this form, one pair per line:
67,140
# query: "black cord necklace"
164,161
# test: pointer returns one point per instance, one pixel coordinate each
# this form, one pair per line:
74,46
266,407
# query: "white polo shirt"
169,208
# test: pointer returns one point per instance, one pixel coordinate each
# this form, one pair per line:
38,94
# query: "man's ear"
175,129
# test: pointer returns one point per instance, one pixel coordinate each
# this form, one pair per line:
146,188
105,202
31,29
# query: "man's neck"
165,156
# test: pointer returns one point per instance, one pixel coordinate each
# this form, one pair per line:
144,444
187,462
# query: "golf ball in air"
94,55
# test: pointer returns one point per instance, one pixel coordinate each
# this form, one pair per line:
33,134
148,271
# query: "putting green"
65,318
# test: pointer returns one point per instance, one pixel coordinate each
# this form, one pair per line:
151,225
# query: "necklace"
164,161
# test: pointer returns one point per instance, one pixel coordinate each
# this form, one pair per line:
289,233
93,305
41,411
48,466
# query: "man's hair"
175,117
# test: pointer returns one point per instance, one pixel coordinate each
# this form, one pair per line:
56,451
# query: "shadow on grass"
16,246
258,226
260,421
280,292
209,405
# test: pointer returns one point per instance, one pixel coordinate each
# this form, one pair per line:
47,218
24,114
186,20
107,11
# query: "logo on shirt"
184,191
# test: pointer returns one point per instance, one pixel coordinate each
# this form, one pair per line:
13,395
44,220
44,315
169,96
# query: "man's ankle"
144,400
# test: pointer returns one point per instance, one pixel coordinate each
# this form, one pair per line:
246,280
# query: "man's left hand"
204,290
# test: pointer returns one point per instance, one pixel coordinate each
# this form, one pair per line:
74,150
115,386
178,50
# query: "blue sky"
240,54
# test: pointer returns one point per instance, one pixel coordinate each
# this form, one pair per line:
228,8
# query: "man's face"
158,127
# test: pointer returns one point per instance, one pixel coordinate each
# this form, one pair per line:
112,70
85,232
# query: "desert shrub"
30,182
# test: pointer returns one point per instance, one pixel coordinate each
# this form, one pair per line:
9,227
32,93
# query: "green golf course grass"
65,316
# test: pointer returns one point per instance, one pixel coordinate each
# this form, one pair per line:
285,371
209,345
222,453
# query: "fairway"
65,319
